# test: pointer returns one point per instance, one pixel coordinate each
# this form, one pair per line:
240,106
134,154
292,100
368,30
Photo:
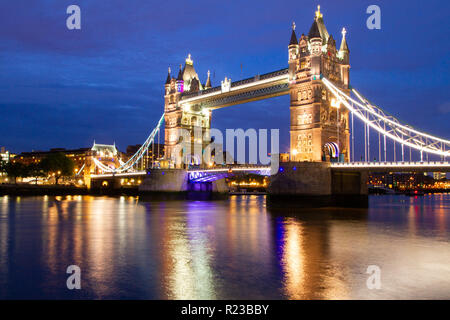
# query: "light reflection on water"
233,249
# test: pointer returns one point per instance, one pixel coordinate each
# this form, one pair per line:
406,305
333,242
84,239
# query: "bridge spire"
180,73
344,46
168,77
208,81
318,13
189,60
294,40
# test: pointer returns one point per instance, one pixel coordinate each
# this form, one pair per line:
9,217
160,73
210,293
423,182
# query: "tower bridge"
323,109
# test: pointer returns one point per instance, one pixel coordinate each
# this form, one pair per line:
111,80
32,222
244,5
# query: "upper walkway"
230,93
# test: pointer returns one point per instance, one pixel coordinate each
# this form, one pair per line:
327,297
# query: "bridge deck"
259,87
431,166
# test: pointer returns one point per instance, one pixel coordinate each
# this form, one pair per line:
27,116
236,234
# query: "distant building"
4,155
155,152
439,175
86,160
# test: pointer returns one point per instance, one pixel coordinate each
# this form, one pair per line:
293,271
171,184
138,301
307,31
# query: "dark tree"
35,170
15,170
57,165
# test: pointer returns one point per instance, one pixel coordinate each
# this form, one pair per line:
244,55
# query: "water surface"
128,248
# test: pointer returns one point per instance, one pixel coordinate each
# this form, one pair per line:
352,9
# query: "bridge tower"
195,120
319,125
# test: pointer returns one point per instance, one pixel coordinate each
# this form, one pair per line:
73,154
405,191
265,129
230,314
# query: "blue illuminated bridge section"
213,174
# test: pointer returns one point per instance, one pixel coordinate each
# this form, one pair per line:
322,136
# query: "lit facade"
319,127
194,119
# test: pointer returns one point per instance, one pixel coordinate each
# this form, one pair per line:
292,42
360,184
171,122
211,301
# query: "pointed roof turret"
168,77
344,46
293,36
314,31
331,41
318,27
208,81
180,74
188,73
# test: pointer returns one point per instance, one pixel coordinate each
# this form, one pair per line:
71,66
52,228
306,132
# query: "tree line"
56,165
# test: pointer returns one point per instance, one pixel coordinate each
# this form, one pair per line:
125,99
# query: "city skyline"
105,82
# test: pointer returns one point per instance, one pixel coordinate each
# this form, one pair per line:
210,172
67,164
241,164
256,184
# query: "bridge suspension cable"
389,126
125,166
81,169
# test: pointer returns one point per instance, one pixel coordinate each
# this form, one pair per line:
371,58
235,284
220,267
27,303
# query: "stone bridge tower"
194,119
319,124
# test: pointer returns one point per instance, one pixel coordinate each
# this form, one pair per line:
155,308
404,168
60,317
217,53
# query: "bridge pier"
173,181
315,184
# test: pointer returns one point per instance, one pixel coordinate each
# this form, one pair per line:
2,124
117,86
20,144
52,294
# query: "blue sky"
64,88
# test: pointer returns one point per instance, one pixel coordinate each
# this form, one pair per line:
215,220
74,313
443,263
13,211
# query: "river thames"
239,248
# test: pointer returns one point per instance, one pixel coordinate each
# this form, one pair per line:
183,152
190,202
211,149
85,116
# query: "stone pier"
316,184
176,181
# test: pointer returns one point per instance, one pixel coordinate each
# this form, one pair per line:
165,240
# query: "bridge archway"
331,152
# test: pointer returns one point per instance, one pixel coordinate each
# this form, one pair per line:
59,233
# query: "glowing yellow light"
189,60
294,152
335,103
318,13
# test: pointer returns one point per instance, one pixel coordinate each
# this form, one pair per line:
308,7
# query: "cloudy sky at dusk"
63,88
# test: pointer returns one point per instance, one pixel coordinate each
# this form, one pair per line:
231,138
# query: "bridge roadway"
223,171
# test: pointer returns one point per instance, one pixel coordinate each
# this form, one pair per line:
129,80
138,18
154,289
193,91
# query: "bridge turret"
180,81
190,77
293,53
315,120
315,39
167,84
